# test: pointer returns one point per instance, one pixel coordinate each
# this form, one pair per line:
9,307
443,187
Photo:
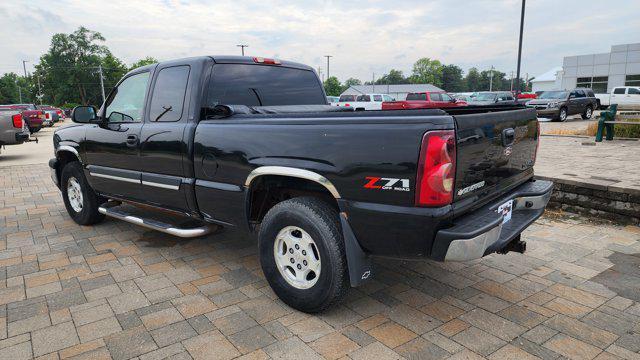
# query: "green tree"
496,78
427,71
352,82
472,80
332,86
9,93
393,77
452,80
142,62
68,71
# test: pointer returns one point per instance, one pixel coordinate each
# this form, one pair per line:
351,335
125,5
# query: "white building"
399,92
551,80
603,72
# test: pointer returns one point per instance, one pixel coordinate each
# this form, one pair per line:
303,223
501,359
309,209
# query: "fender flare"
292,172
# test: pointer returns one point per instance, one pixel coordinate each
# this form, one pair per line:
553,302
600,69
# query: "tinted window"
416,96
168,94
446,97
347,98
634,91
435,97
263,85
363,98
377,97
590,93
618,91
580,94
127,101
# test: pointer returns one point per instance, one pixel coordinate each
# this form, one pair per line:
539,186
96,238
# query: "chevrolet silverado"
251,144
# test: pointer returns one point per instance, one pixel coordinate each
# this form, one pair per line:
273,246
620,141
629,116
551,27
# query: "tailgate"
495,151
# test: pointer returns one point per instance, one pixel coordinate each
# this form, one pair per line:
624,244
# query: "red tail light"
261,60
48,115
17,121
347,104
436,169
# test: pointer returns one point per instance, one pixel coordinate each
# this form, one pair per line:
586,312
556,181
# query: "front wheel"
562,116
588,112
302,254
79,198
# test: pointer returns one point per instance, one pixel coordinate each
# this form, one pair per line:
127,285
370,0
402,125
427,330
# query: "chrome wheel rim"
589,112
297,257
563,115
74,194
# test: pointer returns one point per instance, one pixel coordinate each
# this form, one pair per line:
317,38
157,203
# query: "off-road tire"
321,222
89,214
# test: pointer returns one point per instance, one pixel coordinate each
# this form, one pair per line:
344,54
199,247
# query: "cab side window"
169,92
377,97
634,91
618,91
435,97
126,103
446,97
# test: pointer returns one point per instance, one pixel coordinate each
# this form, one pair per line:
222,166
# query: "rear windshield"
363,98
416,96
344,98
263,85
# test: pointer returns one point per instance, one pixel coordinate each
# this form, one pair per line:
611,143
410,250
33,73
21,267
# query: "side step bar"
110,210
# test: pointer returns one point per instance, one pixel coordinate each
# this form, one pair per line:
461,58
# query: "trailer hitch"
515,245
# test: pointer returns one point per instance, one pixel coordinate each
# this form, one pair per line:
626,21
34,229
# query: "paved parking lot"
119,291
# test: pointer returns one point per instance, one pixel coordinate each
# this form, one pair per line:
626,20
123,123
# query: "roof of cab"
225,59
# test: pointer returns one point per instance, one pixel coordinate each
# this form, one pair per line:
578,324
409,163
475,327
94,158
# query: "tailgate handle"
508,137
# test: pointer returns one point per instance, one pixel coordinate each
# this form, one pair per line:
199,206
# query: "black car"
213,141
559,104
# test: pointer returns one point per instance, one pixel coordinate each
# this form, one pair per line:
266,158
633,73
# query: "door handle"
132,140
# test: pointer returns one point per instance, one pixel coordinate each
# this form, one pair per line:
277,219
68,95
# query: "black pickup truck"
251,144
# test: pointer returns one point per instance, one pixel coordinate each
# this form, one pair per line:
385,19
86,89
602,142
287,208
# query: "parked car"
333,99
30,114
463,97
493,98
627,98
424,100
367,102
12,128
55,112
211,139
346,100
559,104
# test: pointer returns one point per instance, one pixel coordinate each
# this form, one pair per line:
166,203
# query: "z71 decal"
386,183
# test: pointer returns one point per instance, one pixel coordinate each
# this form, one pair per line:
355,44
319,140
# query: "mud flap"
359,263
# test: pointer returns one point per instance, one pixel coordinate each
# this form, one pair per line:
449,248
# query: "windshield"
553,95
486,97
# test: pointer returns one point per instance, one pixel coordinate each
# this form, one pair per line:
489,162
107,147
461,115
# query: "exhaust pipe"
515,245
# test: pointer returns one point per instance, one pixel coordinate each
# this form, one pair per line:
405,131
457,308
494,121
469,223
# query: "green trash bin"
608,115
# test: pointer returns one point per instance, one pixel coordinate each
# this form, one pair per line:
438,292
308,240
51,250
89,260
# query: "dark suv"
558,104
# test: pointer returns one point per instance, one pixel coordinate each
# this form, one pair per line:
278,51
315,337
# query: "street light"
242,46
24,67
520,48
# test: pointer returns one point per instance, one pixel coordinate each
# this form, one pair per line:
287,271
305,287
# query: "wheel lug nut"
291,250
304,262
292,261
297,247
299,267
304,252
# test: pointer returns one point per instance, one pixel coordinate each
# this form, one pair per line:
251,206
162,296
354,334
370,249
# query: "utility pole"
491,78
19,91
242,46
526,82
520,49
320,74
24,67
511,81
373,82
101,82
39,89
328,57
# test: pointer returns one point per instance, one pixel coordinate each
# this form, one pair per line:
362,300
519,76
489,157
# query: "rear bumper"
483,232
21,137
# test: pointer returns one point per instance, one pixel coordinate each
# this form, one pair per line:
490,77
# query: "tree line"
68,74
448,77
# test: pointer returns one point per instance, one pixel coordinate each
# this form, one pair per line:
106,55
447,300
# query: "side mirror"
84,114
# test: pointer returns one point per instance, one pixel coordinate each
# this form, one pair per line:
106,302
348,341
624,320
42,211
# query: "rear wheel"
588,112
302,254
79,198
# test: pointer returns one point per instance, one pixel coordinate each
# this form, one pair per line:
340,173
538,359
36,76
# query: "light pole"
491,78
24,67
242,46
520,49
328,57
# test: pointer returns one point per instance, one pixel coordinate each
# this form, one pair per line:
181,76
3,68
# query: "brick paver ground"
120,291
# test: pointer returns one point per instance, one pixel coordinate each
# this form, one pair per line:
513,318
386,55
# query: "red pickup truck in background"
424,100
30,114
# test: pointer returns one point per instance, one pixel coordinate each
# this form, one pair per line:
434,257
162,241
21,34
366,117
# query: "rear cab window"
263,85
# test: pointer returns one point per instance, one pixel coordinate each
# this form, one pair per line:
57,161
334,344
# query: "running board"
110,210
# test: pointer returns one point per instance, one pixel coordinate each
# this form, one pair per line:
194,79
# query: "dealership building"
601,72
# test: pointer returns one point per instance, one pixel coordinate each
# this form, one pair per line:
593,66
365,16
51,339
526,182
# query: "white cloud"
363,37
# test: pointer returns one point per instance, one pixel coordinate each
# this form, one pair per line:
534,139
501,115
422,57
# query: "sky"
364,37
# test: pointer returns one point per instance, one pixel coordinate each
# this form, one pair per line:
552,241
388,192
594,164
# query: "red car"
30,114
424,100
